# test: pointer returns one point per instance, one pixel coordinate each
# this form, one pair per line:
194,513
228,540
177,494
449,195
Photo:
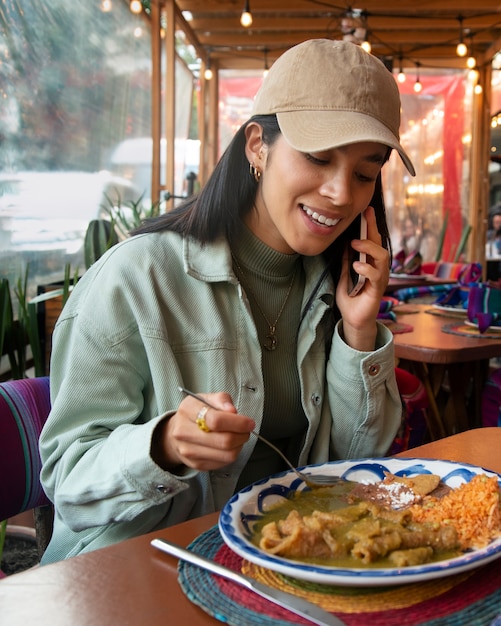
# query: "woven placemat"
465,330
472,598
397,327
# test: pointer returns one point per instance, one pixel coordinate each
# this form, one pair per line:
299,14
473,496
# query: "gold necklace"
271,338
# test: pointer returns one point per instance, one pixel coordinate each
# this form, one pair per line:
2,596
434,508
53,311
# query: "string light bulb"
461,49
106,6
473,74
478,87
135,6
418,87
401,75
208,71
266,68
246,17
366,45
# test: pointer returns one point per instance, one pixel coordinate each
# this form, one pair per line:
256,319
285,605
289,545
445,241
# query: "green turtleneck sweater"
266,277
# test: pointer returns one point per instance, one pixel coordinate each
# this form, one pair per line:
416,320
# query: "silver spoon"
314,481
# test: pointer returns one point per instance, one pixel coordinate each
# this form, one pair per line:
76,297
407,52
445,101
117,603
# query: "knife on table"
306,609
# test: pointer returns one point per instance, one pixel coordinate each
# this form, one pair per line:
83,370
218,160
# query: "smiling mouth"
320,219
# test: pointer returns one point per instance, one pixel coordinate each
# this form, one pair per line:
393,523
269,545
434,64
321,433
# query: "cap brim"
314,131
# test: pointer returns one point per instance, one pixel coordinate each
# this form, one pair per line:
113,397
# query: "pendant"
271,340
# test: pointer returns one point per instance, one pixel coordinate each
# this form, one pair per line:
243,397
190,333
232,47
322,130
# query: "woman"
240,294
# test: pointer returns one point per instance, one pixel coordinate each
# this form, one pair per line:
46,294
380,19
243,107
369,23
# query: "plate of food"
388,521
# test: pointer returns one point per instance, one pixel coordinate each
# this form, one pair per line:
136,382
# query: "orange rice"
473,509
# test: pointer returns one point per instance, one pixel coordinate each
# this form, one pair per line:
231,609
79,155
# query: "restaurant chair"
415,404
463,273
424,294
24,407
491,400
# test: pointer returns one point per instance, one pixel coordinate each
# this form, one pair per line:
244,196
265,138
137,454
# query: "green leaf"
3,532
441,238
464,238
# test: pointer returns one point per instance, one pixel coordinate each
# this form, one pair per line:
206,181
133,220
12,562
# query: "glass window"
495,163
436,133
75,84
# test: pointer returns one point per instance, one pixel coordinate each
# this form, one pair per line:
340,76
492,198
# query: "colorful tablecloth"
468,599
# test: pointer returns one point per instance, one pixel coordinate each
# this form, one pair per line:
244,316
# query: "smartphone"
355,281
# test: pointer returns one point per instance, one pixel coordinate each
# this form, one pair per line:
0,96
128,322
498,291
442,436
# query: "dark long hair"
225,199
229,195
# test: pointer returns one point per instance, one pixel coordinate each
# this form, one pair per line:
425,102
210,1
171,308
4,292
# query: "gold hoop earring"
254,172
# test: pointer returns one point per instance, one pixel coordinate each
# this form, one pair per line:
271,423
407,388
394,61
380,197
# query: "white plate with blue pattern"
247,507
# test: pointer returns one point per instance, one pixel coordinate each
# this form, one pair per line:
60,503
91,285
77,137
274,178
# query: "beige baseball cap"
328,94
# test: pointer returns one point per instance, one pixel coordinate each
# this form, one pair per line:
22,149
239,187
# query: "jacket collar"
211,262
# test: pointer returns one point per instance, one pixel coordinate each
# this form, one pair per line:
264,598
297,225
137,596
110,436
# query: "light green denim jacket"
159,311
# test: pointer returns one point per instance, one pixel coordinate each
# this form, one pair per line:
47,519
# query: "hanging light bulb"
478,88
135,6
208,71
266,68
366,45
471,61
417,85
461,48
401,75
106,6
246,17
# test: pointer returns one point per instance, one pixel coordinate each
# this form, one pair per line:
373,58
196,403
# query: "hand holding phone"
355,281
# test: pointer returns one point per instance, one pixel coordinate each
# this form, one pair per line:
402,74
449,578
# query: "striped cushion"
24,407
464,273
411,293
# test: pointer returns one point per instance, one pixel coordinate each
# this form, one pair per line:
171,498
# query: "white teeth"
319,218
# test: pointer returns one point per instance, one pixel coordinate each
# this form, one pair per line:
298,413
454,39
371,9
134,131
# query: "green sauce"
334,498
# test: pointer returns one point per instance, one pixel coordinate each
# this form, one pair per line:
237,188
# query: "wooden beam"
479,165
170,98
156,105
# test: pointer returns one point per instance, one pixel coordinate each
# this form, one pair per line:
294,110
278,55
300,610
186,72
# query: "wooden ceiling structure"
408,31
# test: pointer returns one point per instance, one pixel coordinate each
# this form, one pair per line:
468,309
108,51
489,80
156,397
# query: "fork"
314,481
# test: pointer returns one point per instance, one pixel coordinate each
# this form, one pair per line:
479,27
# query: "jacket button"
163,489
316,399
374,370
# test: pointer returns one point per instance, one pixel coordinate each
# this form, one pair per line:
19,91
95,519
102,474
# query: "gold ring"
200,421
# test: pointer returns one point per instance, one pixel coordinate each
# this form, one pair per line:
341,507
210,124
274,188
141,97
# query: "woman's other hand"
360,312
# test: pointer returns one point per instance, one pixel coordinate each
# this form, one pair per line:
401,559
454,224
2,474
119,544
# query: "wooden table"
416,281
440,359
131,583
